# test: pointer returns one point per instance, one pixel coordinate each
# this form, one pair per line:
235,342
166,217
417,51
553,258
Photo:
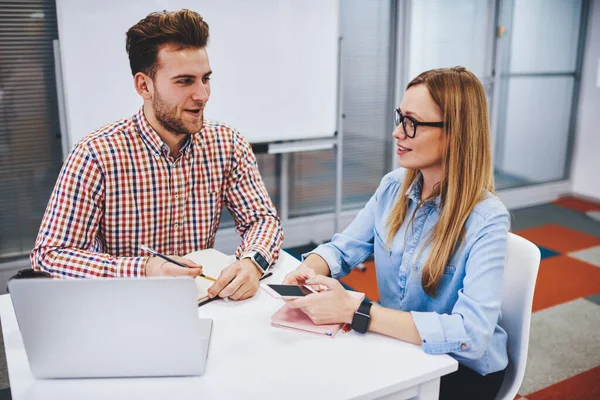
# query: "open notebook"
213,262
293,318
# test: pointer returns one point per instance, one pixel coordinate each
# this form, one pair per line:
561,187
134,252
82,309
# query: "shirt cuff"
439,338
131,267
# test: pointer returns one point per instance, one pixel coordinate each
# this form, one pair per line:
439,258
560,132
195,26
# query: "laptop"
92,328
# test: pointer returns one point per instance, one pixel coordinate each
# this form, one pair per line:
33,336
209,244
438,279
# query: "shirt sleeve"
247,199
67,244
468,330
351,247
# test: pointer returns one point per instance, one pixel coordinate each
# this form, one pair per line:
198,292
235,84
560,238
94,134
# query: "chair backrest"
520,274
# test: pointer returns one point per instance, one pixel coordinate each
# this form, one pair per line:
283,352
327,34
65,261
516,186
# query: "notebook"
213,262
293,318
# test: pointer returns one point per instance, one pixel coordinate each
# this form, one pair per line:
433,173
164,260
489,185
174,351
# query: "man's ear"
143,85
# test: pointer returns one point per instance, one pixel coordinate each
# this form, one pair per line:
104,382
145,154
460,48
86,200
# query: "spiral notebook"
293,318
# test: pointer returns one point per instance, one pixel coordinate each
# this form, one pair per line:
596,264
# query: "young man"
161,177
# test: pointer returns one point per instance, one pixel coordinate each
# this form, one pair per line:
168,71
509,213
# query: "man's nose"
202,93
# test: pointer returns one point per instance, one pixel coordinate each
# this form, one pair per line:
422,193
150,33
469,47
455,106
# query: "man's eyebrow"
188,76
183,76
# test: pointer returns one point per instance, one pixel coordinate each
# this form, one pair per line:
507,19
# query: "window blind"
30,144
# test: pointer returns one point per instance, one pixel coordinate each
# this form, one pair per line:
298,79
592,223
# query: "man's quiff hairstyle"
183,29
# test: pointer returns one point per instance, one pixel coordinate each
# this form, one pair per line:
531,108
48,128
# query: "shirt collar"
153,139
414,192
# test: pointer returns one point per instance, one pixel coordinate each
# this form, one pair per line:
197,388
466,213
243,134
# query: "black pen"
265,276
157,254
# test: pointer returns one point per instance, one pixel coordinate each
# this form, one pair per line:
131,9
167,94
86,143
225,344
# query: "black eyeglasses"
410,125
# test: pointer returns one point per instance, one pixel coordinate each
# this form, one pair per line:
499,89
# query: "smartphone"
287,291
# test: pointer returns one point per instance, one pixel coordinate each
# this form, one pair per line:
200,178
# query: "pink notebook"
293,318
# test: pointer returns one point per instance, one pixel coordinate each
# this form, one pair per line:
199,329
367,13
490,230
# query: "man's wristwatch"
362,317
259,261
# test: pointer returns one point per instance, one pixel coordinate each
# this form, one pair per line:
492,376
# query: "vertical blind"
30,144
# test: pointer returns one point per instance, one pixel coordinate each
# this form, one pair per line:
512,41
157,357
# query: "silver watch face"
259,260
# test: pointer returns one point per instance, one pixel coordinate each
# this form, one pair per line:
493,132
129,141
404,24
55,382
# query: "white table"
249,359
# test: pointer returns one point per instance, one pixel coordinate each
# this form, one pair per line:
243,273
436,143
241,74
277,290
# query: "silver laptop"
92,328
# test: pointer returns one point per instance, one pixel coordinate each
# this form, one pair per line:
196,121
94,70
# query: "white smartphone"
287,291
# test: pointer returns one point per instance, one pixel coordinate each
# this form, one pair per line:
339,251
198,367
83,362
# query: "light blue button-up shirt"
462,319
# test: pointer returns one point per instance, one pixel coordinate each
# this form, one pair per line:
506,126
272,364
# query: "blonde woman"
438,235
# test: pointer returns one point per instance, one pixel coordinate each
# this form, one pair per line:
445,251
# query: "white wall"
586,158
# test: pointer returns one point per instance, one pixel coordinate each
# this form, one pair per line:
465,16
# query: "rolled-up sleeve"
249,203
468,330
351,247
66,245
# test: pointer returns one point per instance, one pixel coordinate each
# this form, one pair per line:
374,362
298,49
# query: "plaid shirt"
120,189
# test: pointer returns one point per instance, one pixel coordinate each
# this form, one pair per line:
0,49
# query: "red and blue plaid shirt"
119,189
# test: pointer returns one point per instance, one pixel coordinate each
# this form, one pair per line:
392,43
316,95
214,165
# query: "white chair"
520,274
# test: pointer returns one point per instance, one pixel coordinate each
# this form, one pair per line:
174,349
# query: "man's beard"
167,117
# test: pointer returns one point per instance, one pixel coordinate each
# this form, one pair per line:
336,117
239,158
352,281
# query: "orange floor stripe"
584,386
559,238
576,204
561,279
364,281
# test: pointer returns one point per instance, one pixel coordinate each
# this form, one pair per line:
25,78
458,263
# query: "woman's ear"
143,85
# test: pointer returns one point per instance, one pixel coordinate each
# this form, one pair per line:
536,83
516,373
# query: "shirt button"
176,225
176,196
463,346
175,252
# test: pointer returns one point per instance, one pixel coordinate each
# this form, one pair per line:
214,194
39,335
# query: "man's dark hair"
183,28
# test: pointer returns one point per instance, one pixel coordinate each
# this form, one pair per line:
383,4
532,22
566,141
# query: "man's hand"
238,281
156,266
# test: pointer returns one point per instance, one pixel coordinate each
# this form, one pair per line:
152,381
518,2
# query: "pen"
157,254
265,276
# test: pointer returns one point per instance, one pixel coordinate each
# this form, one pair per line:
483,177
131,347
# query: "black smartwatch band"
362,317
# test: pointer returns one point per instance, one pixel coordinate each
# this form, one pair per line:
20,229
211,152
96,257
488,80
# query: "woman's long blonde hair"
467,171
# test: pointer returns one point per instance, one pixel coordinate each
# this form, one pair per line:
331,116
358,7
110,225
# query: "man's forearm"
265,237
77,263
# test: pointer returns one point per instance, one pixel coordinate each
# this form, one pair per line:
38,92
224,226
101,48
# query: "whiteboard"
274,64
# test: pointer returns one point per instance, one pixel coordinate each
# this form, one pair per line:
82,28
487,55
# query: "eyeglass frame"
399,119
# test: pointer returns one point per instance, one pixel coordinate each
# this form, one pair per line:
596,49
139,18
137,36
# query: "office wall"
586,161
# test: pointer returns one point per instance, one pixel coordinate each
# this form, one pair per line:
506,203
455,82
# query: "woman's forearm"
394,323
318,264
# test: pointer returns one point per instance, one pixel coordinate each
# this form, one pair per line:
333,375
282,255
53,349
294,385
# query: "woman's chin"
404,163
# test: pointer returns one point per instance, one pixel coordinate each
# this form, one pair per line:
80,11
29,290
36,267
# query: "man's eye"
184,81
206,79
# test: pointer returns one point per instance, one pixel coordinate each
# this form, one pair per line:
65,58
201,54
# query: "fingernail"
210,295
309,280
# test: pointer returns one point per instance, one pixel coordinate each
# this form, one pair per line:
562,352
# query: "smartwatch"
362,317
259,261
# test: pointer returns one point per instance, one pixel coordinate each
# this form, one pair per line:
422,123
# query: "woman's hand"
300,275
334,305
